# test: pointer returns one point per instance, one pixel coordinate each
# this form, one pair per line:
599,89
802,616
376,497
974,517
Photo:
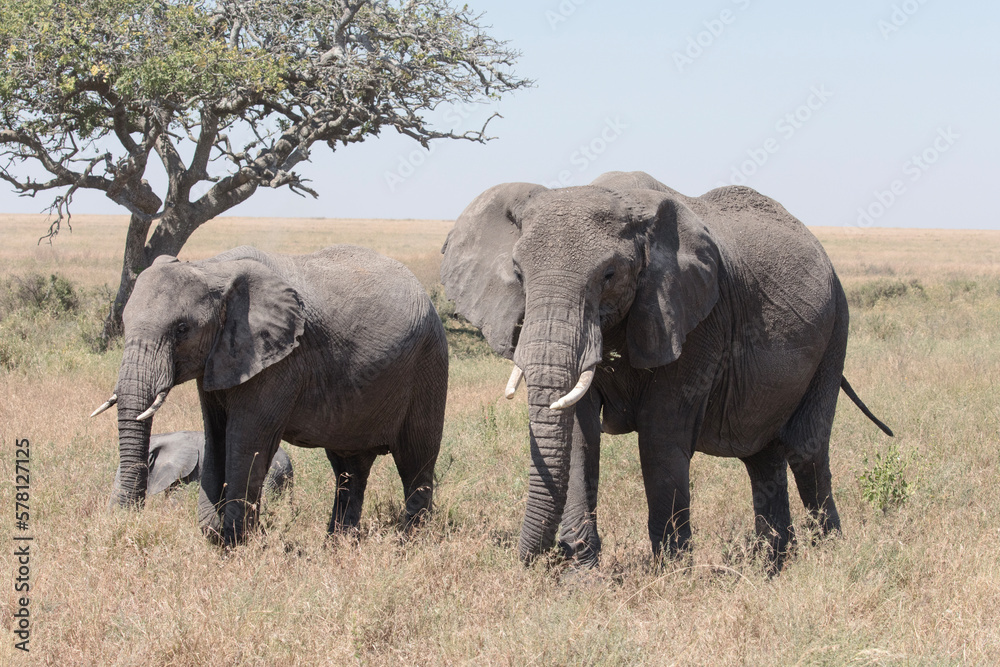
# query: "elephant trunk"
146,374
558,344
551,433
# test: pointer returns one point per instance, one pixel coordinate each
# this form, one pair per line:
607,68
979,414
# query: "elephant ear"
478,268
173,457
679,285
262,320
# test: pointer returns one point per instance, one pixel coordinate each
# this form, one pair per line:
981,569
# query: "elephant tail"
846,386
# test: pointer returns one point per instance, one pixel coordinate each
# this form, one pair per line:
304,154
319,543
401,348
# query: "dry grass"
918,584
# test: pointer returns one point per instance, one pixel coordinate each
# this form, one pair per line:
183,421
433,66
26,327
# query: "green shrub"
961,289
882,327
40,315
883,482
464,340
868,294
444,306
34,292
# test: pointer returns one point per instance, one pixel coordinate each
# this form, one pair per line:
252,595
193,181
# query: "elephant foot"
209,520
341,532
774,548
239,520
676,542
213,535
583,553
824,522
411,522
580,576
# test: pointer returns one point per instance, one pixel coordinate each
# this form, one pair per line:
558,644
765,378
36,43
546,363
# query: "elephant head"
220,321
547,273
176,458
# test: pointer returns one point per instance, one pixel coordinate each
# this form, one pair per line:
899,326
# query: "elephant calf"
176,458
341,349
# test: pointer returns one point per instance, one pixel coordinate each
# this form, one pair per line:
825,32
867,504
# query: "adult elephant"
341,349
712,324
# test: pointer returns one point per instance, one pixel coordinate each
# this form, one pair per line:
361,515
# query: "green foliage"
962,289
90,67
45,318
54,294
91,91
66,61
883,482
464,340
883,327
444,306
868,294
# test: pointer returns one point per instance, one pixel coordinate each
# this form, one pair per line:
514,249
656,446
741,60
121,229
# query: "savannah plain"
913,580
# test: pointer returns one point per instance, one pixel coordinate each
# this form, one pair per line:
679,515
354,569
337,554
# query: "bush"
883,482
34,292
464,340
40,315
868,294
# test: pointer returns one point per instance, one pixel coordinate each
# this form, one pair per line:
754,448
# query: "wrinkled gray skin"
341,349
176,458
715,324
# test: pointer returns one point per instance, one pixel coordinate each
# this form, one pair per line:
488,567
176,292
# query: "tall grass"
917,582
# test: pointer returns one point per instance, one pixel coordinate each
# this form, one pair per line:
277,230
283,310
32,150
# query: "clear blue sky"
870,112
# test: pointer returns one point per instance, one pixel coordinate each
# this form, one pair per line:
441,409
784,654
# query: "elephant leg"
769,483
809,458
417,450
250,445
814,482
245,475
808,455
578,537
666,464
416,471
213,468
351,474
807,440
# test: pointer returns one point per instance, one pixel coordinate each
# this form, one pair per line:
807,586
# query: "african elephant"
713,324
341,349
176,458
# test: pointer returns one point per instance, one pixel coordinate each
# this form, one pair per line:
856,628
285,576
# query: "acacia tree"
227,96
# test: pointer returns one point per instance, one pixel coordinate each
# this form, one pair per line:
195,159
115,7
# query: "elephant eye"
518,275
609,274
182,328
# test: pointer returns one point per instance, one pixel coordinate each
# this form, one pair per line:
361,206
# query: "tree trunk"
135,261
172,231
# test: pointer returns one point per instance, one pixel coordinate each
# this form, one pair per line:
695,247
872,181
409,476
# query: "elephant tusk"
107,404
162,396
576,393
516,376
